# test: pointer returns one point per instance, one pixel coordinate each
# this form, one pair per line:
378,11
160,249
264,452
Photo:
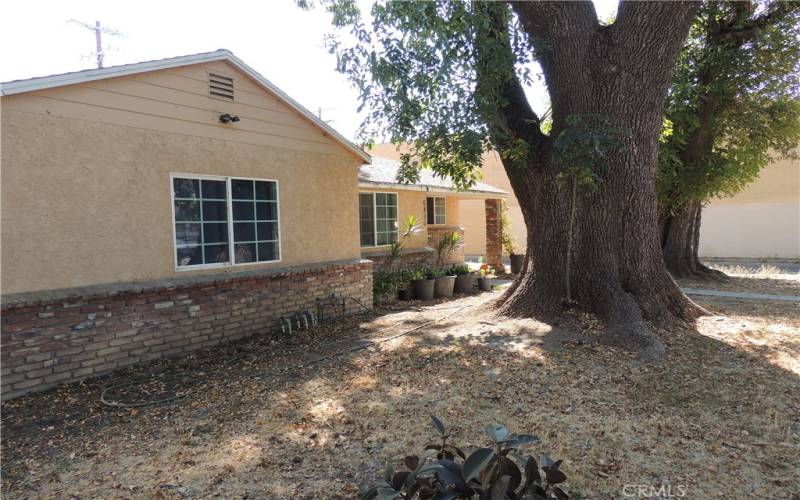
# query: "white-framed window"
377,217
223,221
435,210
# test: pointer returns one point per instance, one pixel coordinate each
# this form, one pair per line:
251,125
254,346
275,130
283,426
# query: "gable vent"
220,86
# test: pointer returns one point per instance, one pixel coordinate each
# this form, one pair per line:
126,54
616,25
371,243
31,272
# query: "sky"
275,37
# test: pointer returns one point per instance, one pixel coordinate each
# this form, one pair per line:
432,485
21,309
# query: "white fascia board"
432,189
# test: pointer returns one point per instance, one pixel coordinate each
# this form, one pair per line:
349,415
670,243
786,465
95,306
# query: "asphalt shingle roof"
384,171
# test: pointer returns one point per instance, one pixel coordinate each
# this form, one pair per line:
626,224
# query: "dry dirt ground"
718,418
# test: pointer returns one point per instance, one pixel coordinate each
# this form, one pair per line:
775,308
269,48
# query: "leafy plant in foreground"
490,473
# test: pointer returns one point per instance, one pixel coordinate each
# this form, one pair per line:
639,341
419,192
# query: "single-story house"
471,210
385,205
156,208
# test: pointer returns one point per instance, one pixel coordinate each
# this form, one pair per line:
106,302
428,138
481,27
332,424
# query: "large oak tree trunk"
680,241
600,249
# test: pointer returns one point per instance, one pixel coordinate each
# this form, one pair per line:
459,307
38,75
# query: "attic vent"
220,86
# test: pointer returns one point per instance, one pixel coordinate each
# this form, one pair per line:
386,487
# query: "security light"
228,118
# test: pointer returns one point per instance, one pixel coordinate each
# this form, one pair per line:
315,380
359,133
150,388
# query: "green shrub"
460,269
417,274
438,273
387,283
487,473
384,284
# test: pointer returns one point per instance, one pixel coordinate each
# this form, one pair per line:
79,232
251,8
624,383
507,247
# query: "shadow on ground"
719,415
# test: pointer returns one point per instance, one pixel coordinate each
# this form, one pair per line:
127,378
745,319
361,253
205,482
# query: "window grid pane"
255,221
439,210
202,221
385,218
366,219
198,207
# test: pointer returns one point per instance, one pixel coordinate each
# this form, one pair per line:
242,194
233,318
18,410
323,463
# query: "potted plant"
444,283
507,241
486,278
446,246
412,227
465,279
404,291
422,283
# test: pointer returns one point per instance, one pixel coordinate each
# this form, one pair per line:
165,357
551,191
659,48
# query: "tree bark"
680,240
620,72
680,228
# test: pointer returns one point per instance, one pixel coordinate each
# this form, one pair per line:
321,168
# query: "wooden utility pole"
99,41
98,37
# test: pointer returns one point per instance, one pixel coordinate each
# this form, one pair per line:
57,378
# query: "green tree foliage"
447,78
414,65
734,101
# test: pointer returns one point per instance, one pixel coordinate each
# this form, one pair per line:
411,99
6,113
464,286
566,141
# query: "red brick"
126,328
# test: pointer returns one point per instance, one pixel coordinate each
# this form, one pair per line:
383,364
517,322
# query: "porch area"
421,250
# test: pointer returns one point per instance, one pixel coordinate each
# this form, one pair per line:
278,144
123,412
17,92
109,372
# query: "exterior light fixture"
228,118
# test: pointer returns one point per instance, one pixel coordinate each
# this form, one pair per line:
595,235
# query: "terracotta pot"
423,289
485,284
516,263
444,286
465,283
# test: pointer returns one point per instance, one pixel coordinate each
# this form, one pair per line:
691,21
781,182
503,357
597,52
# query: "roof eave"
472,193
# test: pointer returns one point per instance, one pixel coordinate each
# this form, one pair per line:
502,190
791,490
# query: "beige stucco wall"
86,195
413,203
762,221
472,212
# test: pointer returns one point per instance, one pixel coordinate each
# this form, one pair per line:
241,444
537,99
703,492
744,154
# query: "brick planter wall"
435,234
410,258
60,336
494,235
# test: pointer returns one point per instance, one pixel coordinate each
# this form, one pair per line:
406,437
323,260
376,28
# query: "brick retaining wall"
410,258
54,337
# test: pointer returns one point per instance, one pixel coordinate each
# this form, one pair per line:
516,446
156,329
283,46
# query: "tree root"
525,298
699,272
627,329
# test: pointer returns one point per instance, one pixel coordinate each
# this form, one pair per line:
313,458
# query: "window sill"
201,267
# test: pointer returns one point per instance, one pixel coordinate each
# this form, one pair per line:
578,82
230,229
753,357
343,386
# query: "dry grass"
764,279
720,416
756,270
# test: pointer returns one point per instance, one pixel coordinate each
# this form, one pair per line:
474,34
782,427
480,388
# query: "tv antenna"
98,36
321,110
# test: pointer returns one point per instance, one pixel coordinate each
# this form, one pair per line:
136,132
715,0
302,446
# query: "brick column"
494,235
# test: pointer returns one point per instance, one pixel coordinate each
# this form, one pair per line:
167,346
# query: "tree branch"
499,90
744,32
643,22
553,26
